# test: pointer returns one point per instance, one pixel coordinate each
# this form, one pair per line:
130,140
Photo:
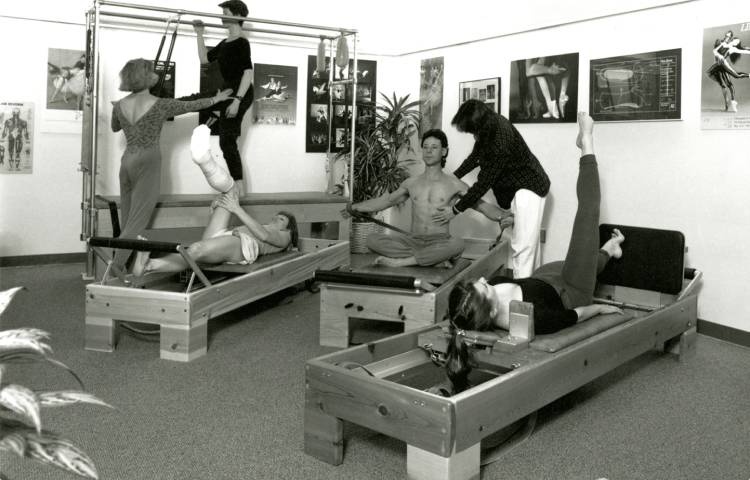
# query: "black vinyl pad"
363,263
652,259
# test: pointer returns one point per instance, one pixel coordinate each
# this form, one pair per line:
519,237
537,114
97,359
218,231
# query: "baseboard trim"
723,332
50,259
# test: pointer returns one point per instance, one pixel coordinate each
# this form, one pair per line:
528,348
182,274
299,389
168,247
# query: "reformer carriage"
381,385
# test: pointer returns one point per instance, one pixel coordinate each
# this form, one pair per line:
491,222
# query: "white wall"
655,174
670,175
46,215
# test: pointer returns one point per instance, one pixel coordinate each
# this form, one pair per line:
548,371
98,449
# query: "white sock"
216,175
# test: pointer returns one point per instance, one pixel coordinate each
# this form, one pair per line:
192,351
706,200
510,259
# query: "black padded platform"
578,332
652,259
363,263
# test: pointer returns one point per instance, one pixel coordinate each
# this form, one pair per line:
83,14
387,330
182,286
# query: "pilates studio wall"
668,174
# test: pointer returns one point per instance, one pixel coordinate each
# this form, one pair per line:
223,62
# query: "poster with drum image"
641,86
725,79
17,137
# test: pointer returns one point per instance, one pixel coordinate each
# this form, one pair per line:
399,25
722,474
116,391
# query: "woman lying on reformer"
561,292
220,244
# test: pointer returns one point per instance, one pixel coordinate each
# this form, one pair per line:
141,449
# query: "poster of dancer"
642,86
544,89
66,70
17,137
275,94
725,86
431,94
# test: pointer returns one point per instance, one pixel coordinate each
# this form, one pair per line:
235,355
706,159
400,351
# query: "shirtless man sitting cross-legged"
430,243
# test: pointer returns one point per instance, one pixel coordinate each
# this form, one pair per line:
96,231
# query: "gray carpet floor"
237,412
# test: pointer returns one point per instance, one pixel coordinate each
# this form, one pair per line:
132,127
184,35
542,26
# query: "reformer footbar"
99,243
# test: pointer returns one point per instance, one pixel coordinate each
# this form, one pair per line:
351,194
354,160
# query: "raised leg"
424,465
324,435
100,334
183,343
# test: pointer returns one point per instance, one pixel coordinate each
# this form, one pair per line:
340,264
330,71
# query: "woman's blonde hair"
138,74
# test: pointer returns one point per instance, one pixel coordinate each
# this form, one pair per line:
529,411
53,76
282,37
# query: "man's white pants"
528,209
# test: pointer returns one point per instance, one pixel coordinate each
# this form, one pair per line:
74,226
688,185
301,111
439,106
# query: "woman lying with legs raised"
561,292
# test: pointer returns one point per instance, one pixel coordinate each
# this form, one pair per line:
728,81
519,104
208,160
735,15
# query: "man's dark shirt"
234,58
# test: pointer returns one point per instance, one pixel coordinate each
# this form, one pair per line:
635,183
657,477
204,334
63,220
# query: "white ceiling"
386,27
395,27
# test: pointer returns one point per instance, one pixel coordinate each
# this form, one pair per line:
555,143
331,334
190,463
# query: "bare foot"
585,129
395,262
200,144
613,245
445,264
141,260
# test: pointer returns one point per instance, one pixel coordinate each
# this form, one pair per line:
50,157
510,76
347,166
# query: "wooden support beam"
424,465
324,434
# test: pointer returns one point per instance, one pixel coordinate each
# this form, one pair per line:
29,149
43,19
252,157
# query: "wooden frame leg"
184,343
324,435
424,465
100,334
682,345
334,321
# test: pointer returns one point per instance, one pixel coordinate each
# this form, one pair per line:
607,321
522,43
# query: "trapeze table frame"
94,24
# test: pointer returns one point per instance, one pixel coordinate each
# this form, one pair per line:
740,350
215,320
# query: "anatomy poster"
17,137
66,70
643,86
275,94
544,89
725,85
431,94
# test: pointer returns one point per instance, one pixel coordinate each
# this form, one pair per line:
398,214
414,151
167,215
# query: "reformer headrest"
652,259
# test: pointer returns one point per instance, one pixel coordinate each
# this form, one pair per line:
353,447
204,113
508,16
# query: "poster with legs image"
486,90
431,94
544,89
725,85
275,94
642,86
17,137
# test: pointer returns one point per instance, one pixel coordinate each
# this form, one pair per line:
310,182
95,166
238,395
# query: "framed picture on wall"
642,86
544,89
486,90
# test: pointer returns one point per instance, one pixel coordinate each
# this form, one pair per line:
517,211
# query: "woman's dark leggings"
575,278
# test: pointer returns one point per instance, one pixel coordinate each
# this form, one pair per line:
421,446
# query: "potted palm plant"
377,169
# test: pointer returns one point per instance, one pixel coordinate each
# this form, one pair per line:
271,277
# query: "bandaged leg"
215,174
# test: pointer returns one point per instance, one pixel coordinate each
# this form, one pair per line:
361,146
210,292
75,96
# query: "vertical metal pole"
354,120
93,139
331,67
